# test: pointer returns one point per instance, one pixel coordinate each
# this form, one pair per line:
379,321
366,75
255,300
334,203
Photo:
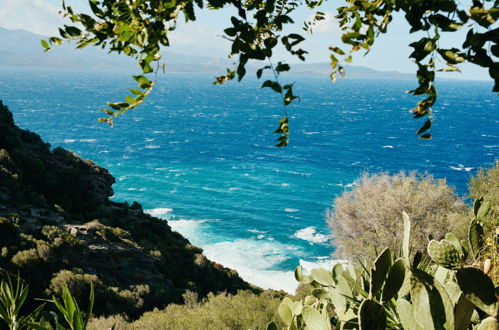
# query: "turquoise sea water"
202,156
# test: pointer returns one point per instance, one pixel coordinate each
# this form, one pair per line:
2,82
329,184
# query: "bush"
368,217
244,310
486,184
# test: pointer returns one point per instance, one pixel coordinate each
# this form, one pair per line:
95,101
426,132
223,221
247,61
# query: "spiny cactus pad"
314,319
372,315
475,236
380,270
445,254
394,281
478,288
322,276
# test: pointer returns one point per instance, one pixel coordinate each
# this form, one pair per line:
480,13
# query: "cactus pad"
445,254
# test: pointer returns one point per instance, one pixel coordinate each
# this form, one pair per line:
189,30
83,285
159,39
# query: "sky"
203,37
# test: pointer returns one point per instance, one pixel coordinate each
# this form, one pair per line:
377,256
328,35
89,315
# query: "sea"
202,157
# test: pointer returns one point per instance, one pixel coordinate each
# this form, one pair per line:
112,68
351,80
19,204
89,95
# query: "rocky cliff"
58,227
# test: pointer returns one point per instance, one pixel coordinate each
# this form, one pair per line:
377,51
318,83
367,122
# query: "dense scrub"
367,218
244,310
58,228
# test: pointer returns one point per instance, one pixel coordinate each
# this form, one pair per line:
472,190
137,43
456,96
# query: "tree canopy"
139,28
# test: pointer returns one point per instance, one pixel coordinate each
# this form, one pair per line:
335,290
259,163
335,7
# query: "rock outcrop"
58,227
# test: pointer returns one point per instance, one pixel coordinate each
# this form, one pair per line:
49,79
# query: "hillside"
21,48
58,227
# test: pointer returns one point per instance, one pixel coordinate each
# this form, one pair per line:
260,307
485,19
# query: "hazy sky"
203,37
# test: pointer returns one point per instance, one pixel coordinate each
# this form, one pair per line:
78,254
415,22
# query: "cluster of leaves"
66,315
366,218
138,28
362,21
244,310
410,292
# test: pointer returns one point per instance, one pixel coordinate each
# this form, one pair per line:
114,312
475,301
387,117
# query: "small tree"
368,217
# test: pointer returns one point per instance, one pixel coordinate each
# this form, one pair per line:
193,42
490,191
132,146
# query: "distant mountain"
354,72
19,48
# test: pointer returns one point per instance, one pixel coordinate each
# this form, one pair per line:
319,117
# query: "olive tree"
368,217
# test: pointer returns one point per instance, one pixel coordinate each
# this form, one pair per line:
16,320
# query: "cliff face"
58,227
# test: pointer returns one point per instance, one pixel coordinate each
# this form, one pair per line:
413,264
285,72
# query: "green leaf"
425,127
282,67
273,85
72,31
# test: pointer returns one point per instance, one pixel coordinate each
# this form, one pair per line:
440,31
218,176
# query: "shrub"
26,258
367,217
244,310
486,184
117,321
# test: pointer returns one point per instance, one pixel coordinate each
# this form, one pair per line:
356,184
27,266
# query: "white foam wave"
182,223
254,259
388,147
290,210
152,146
88,140
461,167
311,235
69,140
256,231
158,212
136,189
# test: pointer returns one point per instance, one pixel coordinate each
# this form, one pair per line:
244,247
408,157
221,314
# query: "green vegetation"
139,28
67,248
66,315
366,219
245,310
59,229
409,292
486,184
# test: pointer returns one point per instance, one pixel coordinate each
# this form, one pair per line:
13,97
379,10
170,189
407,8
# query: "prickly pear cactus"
445,254
406,293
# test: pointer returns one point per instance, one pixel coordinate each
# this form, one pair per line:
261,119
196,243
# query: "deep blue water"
203,156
